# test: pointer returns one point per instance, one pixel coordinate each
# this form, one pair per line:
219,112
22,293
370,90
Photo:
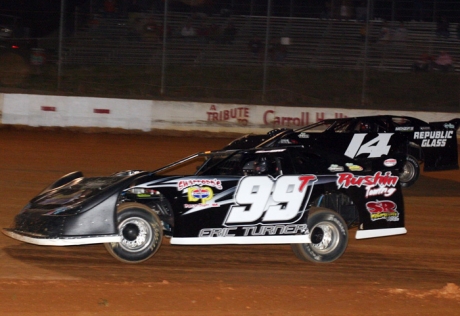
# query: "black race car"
368,137
278,195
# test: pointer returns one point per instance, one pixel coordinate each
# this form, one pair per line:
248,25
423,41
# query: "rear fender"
378,200
440,145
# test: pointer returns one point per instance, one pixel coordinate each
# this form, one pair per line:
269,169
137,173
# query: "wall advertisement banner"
147,115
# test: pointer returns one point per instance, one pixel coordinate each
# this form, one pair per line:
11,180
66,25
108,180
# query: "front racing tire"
410,173
141,233
328,235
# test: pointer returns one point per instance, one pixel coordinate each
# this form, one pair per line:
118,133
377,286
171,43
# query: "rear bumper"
374,233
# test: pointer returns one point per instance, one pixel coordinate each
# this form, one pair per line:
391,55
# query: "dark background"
42,16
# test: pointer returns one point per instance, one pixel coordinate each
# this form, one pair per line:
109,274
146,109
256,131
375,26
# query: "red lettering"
319,116
266,121
225,115
306,118
243,122
285,120
238,112
344,180
305,180
347,179
381,207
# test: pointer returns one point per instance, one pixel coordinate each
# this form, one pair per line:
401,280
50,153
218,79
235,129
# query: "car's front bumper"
42,240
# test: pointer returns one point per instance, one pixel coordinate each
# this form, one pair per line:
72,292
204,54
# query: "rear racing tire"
141,233
410,172
328,235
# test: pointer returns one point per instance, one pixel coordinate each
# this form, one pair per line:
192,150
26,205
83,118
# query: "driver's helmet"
249,168
262,166
364,127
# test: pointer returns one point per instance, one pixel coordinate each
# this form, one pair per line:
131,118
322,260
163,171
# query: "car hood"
83,190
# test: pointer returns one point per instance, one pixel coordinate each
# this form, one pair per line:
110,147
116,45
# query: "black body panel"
434,144
94,215
260,195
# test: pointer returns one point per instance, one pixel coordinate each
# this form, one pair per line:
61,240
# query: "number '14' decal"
263,198
376,147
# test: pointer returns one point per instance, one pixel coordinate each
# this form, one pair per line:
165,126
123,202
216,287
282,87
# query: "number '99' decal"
262,198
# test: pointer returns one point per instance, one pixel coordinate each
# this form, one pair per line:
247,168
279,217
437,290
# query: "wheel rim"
408,172
324,237
136,234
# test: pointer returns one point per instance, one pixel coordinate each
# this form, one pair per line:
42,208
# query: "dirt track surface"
413,274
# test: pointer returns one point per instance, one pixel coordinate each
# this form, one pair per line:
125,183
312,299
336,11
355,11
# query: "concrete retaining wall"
145,115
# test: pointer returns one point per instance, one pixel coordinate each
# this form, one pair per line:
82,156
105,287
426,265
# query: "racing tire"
328,235
410,173
141,233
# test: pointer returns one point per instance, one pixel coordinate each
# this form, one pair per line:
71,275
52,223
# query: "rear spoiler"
440,146
452,124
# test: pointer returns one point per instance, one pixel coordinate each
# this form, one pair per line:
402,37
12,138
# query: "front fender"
99,220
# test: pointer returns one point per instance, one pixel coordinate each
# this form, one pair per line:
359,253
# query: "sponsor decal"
385,210
144,193
353,167
202,194
347,179
434,138
304,135
335,168
377,184
268,230
425,128
376,147
390,162
183,184
404,129
449,125
375,191
265,200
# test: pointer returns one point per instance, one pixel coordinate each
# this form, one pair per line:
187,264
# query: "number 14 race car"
279,195
368,137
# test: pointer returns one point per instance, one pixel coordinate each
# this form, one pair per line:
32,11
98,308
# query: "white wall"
144,115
